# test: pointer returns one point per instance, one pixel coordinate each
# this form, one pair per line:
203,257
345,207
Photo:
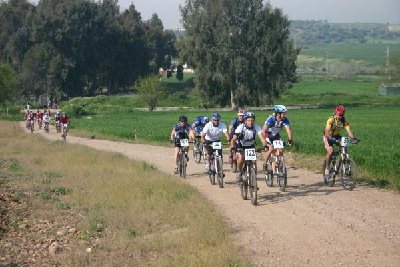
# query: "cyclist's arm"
233,141
203,135
328,128
262,138
172,134
289,132
349,132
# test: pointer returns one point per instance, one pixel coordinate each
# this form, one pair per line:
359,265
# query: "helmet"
340,110
183,118
240,112
249,115
205,119
58,112
280,109
216,116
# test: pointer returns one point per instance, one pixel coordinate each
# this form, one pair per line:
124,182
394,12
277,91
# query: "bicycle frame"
216,164
249,182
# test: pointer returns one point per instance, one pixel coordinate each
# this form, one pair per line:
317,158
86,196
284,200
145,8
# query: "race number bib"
345,141
216,145
184,142
278,144
250,154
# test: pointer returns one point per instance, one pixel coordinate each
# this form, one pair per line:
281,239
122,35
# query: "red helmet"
340,110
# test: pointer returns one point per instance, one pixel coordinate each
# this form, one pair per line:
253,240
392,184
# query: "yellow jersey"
335,125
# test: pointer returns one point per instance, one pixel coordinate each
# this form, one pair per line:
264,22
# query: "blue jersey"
199,123
273,126
235,123
181,132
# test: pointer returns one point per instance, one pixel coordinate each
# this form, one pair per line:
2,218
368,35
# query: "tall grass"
138,215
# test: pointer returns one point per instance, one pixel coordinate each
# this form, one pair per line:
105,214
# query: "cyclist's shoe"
207,166
327,175
187,157
230,159
239,177
176,170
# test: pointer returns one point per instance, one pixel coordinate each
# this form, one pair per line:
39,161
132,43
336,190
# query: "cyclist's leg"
328,156
240,161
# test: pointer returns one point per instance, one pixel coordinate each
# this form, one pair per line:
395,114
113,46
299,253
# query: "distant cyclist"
334,124
181,130
245,137
212,132
272,127
233,125
198,124
39,118
64,122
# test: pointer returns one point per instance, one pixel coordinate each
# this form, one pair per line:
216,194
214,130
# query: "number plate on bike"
278,144
184,142
250,154
345,141
216,145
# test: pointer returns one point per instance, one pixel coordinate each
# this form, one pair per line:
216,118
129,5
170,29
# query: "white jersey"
46,118
247,137
213,133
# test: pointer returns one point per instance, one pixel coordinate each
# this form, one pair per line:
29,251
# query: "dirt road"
310,224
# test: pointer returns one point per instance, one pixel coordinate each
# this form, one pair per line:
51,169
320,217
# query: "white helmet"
280,109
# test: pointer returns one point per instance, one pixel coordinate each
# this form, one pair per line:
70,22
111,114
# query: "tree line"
67,48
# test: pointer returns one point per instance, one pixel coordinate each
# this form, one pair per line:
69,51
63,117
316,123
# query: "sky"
380,11
348,11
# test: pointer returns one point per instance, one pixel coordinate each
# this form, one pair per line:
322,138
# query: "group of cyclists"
60,118
242,133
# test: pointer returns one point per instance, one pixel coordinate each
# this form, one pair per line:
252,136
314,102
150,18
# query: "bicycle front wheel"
182,167
211,173
234,164
197,153
253,185
220,172
348,174
269,175
244,186
282,175
332,177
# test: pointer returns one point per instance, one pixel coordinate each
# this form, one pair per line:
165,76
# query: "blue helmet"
216,116
205,119
280,109
249,115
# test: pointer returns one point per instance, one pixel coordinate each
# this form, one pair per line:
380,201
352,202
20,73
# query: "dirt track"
310,224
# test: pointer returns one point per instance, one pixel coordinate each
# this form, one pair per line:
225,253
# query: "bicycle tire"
182,166
331,181
253,186
211,173
348,174
32,126
282,177
197,153
244,186
220,172
269,176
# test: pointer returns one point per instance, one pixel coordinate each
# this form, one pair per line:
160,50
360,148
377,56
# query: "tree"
179,73
151,90
241,50
8,83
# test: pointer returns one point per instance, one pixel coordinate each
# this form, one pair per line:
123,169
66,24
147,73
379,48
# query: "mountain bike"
277,166
198,150
216,165
343,165
40,122
248,185
32,125
182,157
58,126
64,132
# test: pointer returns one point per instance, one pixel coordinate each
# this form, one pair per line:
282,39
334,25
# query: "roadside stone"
54,248
72,230
61,232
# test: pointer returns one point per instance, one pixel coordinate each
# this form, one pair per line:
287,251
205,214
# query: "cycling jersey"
247,136
235,123
40,115
199,123
212,132
181,132
334,125
273,126
64,119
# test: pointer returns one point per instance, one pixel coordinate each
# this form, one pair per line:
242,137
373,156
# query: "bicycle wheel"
244,186
253,186
331,180
211,173
234,163
197,153
269,175
282,175
182,166
32,127
348,174
220,172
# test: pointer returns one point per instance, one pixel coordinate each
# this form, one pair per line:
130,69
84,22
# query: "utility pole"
387,73
326,62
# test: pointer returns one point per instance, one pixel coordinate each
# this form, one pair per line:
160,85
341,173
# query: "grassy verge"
131,214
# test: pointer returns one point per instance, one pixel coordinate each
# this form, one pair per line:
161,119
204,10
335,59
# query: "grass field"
131,214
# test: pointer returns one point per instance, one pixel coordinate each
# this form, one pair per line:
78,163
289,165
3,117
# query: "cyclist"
272,128
57,118
181,130
334,124
30,118
39,118
46,119
245,137
64,121
212,133
198,125
232,127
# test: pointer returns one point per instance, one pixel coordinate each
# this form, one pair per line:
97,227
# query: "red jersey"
64,119
40,115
